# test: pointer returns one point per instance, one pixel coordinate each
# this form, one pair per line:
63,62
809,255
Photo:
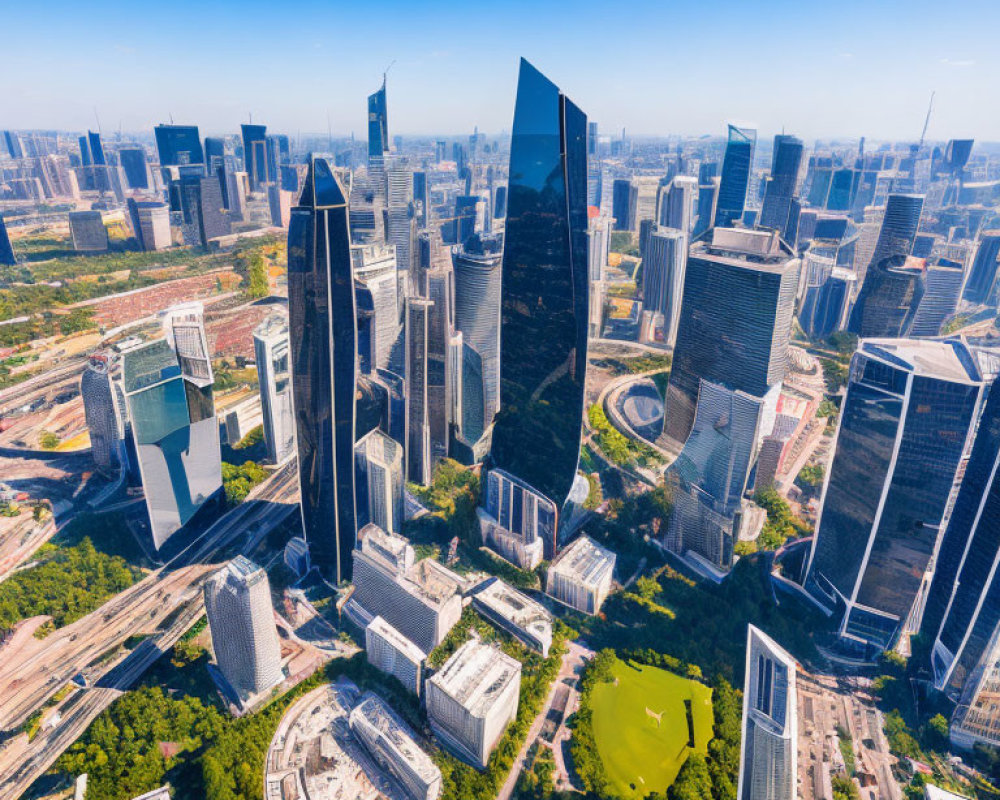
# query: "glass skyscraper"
271,351
735,176
133,161
544,291
903,438
322,313
378,124
780,187
255,154
981,285
6,249
178,145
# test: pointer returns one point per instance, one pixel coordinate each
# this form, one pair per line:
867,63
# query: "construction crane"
927,121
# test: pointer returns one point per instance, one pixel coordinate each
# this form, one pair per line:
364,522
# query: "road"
171,596
572,665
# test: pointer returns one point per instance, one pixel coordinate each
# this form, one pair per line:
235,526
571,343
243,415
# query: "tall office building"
103,408
786,159
271,353
378,464
768,756
322,312
544,292
378,124
472,699
477,271
255,155
133,162
735,322
241,619
172,412
375,270
904,436
981,285
418,431
735,176
708,198
215,154
6,249
393,745
178,145
677,204
942,287
624,204
962,617
88,232
150,224
203,215
826,299
516,521
441,361
663,268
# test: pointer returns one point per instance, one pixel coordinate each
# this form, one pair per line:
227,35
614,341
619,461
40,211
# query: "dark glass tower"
735,176
178,145
133,162
981,286
544,300
255,153
378,124
322,312
6,250
785,162
96,149
902,442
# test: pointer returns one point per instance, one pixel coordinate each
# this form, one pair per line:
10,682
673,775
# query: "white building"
392,653
581,576
472,699
378,468
244,636
392,744
516,613
270,344
768,765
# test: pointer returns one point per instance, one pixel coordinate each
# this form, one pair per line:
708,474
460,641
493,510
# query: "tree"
257,283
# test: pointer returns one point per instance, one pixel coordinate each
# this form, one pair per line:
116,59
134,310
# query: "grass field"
643,754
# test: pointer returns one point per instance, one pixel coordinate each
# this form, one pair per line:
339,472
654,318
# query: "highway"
171,596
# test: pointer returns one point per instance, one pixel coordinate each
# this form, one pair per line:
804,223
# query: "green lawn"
639,753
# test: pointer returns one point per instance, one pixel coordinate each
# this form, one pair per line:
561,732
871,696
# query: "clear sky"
818,69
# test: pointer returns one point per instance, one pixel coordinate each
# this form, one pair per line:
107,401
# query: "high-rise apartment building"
786,159
324,359
663,268
904,436
472,699
735,176
544,291
274,376
241,619
768,756
104,409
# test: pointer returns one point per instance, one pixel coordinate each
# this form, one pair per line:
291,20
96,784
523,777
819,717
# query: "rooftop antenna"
927,120
171,118
98,119
387,72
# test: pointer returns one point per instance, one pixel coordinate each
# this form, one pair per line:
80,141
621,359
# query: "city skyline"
830,76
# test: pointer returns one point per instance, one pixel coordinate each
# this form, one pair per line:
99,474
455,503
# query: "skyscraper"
378,463
271,351
624,203
150,224
663,269
6,249
677,204
768,757
441,363
203,216
244,636
735,321
981,285
255,154
780,188
735,176
133,161
904,435
322,312
178,145
418,431
378,124
103,408
544,301
887,304
168,390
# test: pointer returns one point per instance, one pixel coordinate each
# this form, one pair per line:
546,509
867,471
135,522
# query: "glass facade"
321,310
378,124
255,153
981,286
133,162
178,145
735,176
785,162
889,297
6,249
544,302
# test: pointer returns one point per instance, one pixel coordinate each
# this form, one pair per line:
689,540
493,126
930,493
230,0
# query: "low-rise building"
392,744
472,699
581,576
392,653
516,613
88,232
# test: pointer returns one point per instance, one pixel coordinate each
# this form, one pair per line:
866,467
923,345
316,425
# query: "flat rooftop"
516,607
397,640
476,675
585,561
743,247
373,711
948,359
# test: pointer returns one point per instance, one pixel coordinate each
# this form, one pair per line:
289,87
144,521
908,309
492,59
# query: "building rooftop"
400,642
743,247
476,675
273,326
390,548
948,359
584,561
434,581
373,712
516,607
148,365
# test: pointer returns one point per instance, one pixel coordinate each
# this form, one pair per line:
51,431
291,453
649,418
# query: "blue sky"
817,69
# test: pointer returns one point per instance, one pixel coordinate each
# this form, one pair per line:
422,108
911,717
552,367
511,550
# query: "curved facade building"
544,301
322,312
888,300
